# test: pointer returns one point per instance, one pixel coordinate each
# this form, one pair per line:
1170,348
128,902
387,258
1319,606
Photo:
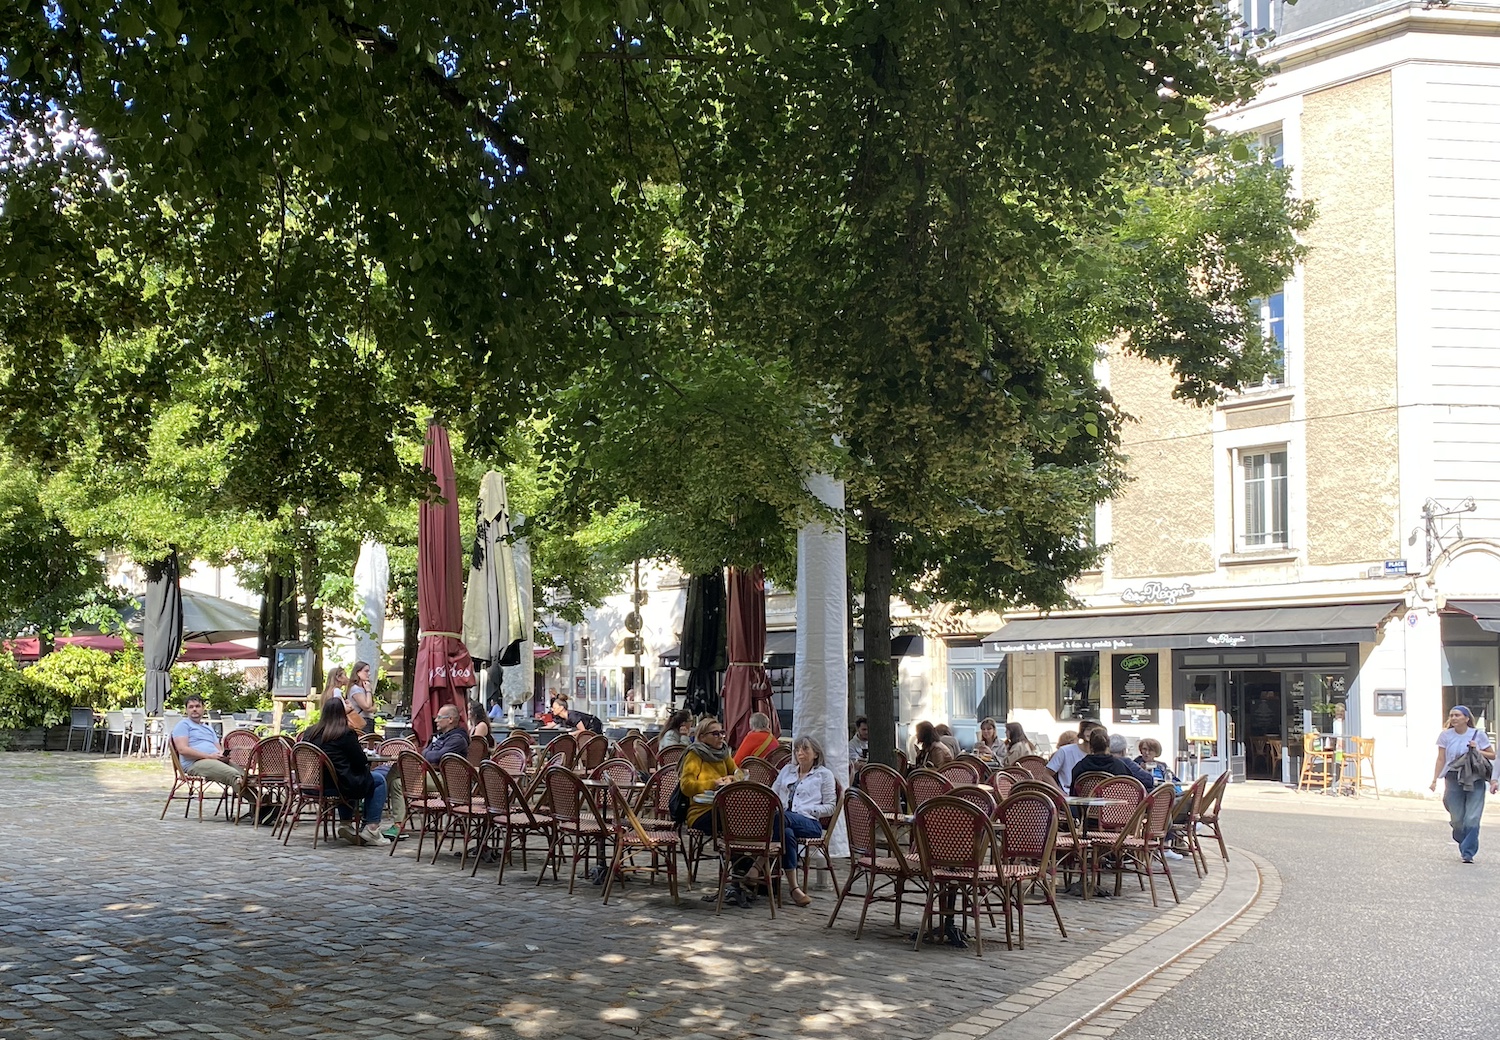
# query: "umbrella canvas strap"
746,664
449,635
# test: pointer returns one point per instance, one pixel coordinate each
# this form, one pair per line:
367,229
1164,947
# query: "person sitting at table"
859,744
705,766
808,795
760,741
988,745
479,722
1017,744
1150,761
930,752
1118,746
1065,759
448,738
333,735
1102,759
678,730
945,734
200,751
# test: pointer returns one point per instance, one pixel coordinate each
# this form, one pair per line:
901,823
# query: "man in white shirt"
1061,764
859,744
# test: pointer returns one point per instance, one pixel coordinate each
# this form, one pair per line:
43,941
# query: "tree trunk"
880,690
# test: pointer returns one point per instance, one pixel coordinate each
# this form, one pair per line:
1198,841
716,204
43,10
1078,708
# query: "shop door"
1256,697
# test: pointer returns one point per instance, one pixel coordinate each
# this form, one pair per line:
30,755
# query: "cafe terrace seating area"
956,855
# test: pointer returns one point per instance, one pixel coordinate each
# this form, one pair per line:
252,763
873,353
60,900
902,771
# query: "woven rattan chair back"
493,788
1036,765
885,786
951,835
1002,783
370,740
460,779
564,745
744,817
977,795
926,783
518,738
1085,783
1159,815
1124,794
567,796
670,755
239,743
620,770
779,756
1030,828
656,800
510,758
962,772
393,747
414,771
593,749
760,771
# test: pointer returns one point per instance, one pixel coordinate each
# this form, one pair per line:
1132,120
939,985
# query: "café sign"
1157,592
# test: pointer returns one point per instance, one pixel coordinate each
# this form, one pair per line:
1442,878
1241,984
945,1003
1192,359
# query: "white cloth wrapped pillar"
372,577
821,699
519,683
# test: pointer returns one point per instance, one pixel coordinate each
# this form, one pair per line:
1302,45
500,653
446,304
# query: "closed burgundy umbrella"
747,688
444,671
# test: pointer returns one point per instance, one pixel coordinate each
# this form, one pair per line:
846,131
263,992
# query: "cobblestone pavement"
118,925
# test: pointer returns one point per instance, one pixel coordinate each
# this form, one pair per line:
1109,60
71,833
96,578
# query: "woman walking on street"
1463,784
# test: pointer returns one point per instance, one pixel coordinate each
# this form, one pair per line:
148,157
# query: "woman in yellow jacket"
706,764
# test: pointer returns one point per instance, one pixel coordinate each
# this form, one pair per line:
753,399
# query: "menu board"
1202,722
1135,689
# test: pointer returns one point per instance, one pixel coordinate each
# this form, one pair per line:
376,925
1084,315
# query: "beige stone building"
1326,544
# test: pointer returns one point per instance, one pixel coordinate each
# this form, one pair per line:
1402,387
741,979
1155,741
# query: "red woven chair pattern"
510,758
507,816
1036,765
1001,783
393,747
620,770
744,825
579,822
1084,783
269,775
885,786
981,797
428,809
1126,793
955,844
593,749
778,757
1141,852
923,784
632,838
315,786
239,743
760,771
669,755
566,745
962,772
463,801
1027,848
875,854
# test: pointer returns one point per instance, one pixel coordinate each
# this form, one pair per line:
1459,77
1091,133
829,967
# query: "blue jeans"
800,827
1464,810
374,801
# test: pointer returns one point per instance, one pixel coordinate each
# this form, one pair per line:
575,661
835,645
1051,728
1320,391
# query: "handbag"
677,806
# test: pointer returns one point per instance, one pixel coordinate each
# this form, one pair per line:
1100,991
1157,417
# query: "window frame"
1241,527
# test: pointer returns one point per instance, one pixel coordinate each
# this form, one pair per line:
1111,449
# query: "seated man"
1117,746
859,744
1100,759
448,738
200,751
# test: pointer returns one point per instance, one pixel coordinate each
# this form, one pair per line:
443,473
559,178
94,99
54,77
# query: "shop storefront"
1256,679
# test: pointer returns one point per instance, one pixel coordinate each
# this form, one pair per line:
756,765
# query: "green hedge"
41,694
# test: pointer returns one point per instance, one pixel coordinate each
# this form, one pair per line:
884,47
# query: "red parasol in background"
443,669
747,688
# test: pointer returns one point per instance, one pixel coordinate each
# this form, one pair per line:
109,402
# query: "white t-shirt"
1454,743
1062,762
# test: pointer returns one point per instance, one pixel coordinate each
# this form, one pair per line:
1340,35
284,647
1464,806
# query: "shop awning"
1187,629
1485,611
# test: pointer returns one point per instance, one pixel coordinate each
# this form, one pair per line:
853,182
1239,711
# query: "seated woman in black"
334,737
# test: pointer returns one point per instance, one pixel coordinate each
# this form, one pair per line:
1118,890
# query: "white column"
372,575
519,683
821,698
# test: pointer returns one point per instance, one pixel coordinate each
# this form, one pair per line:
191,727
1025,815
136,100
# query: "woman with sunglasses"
706,765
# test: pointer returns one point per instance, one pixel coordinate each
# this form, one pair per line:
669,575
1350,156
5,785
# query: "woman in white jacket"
808,795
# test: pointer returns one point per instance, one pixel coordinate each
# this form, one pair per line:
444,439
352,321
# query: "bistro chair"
632,747
1085,783
392,747
1036,765
1208,811
579,822
955,845
507,811
593,749
779,756
239,743
564,745
902,763
653,804
669,755
760,770
134,738
463,803
885,786
518,738
1317,764
744,827
632,838
876,855
427,810
477,751
1358,772
1125,792
315,787
510,758
1071,850
807,846
1139,849
370,741
621,770
923,784
1182,833
190,784
1028,838
977,795
1002,783
268,775
962,771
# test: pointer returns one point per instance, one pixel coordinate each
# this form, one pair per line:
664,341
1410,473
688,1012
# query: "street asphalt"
1380,931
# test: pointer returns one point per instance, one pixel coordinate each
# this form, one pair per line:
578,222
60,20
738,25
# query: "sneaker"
372,836
1172,855
1468,859
348,833
393,833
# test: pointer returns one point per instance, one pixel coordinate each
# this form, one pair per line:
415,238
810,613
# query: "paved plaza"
118,925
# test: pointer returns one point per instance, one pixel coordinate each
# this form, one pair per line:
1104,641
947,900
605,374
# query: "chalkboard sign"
1135,686
1202,722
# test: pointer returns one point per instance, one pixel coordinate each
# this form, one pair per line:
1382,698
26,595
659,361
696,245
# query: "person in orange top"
759,742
